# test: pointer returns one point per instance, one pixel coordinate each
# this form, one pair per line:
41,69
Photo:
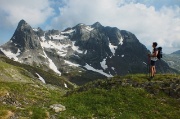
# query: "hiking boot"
150,78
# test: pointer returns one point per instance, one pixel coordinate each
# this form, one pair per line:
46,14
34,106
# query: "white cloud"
157,3
146,22
140,17
34,12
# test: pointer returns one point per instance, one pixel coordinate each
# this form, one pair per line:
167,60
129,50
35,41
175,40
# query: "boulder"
58,108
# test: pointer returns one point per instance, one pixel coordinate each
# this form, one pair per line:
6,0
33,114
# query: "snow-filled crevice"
103,64
88,67
40,78
51,64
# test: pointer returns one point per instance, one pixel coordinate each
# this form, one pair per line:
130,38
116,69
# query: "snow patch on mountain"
112,48
76,48
35,29
145,63
76,55
88,67
103,64
85,52
89,28
71,64
113,68
40,78
43,38
62,51
45,44
15,44
57,37
42,55
68,32
51,64
10,54
121,41
65,85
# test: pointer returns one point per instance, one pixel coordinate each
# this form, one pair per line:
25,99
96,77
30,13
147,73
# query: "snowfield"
11,55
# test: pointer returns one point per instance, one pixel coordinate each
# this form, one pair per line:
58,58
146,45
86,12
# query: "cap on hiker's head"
155,44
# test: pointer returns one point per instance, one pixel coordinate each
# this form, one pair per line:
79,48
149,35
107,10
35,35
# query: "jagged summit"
24,37
23,25
22,22
97,24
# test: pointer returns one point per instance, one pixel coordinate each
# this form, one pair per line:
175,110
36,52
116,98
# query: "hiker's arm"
154,54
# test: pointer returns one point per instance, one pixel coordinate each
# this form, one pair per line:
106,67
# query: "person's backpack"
159,55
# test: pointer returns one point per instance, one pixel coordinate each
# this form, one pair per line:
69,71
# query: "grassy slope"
27,99
29,71
123,102
33,100
106,99
22,96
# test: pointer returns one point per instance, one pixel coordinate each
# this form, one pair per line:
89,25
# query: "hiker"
153,58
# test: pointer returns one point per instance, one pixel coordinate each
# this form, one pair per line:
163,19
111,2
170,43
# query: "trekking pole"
148,67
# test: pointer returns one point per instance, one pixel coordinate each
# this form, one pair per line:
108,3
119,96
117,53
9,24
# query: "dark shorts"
153,63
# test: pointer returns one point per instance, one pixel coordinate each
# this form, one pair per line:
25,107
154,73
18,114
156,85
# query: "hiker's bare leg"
152,71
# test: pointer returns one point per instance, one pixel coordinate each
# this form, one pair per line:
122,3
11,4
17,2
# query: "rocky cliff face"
25,37
107,51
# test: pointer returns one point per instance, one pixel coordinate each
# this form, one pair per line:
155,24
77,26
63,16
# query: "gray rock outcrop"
58,108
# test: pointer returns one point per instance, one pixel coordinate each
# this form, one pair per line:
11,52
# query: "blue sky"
149,20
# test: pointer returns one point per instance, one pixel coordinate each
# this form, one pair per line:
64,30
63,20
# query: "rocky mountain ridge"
176,52
105,51
173,60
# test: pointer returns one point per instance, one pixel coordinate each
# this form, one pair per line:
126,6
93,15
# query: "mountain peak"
97,24
24,36
22,23
23,26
